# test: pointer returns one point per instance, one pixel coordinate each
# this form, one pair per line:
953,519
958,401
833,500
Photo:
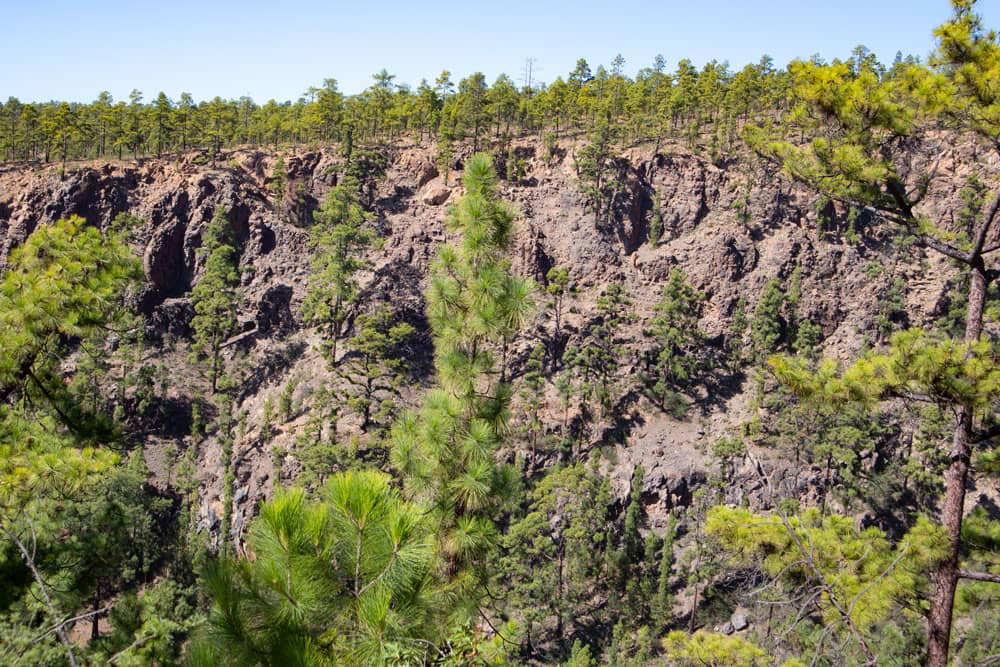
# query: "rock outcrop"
731,227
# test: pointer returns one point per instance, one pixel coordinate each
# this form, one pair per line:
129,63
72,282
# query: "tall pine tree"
446,451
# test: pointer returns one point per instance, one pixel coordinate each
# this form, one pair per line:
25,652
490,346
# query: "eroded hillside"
731,227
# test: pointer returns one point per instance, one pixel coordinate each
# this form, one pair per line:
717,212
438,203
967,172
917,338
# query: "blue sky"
68,49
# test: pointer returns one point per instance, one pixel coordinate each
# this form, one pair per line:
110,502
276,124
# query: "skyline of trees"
653,104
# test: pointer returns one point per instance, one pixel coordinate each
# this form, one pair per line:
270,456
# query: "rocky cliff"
731,226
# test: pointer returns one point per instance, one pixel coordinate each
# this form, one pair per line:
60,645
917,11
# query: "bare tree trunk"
694,608
95,622
559,593
955,480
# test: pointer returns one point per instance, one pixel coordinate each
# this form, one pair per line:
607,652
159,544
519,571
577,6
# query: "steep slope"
732,227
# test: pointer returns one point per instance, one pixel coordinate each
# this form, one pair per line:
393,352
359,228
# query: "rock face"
730,227
163,259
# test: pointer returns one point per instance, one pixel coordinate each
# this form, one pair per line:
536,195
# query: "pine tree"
594,165
557,285
372,370
662,606
863,580
656,222
552,560
446,450
579,656
133,135
854,114
600,357
631,538
339,581
714,649
364,168
511,164
767,329
162,123
279,180
220,122
214,296
532,393
65,282
679,349
444,156
808,336
631,556
471,100
338,238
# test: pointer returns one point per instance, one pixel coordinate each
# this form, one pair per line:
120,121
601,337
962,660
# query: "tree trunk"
559,592
955,480
694,608
95,623
216,357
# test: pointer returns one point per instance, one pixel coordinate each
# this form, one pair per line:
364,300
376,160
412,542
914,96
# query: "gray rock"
237,524
207,521
738,621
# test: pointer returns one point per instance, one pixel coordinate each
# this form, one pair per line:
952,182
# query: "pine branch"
29,560
984,227
979,576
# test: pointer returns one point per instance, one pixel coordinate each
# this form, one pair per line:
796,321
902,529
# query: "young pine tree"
631,557
679,355
656,222
599,358
338,240
214,297
532,393
557,287
372,370
344,580
768,326
662,606
279,180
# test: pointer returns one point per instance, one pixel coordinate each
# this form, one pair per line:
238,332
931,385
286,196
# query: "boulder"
426,173
437,195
